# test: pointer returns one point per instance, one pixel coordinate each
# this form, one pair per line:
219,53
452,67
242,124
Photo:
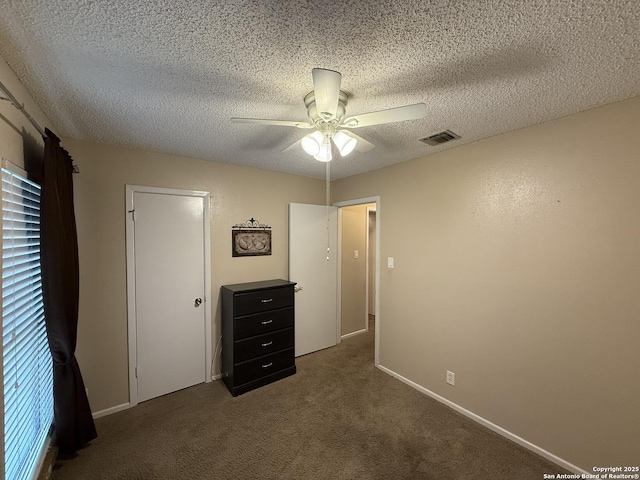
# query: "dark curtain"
73,423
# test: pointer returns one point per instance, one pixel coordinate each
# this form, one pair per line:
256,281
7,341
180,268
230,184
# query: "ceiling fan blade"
363,145
398,114
326,88
280,123
295,146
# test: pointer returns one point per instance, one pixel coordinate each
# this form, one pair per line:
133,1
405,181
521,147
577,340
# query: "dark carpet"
339,417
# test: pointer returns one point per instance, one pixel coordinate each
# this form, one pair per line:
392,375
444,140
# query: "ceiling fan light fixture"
345,143
325,152
312,143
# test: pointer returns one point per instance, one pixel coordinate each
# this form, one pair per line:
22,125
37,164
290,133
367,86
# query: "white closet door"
169,278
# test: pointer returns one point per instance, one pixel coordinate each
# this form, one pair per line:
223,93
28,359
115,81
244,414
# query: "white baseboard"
125,406
491,426
109,411
347,335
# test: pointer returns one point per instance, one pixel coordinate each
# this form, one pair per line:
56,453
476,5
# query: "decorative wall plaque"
250,239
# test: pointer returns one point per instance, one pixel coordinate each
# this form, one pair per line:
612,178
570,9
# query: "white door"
313,240
170,317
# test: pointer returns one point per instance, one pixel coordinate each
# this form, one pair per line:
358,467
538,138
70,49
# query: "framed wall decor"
250,239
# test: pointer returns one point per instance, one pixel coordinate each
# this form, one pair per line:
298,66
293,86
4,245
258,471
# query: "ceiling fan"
326,109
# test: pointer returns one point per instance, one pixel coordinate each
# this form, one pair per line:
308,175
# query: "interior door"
313,239
169,290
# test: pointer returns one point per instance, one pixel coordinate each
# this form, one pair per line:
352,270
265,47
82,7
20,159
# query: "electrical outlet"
451,378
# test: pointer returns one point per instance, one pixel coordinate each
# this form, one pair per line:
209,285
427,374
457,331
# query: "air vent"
440,138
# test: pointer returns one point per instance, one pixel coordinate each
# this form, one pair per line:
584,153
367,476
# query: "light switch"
390,262
356,254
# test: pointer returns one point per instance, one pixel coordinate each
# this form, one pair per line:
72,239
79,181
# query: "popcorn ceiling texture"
167,75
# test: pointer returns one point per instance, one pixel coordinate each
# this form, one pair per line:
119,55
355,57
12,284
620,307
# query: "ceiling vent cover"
440,138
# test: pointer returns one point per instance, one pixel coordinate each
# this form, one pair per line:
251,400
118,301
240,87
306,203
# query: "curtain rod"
20,106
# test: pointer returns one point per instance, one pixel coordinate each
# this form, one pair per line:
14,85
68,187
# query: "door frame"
349,203
131,278
367,252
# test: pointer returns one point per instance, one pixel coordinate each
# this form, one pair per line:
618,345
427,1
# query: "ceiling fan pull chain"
328,202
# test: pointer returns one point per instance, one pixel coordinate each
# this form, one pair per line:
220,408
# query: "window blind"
27,364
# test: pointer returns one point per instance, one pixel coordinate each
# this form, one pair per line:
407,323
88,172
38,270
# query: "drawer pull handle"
267,300
267,322
267,365
267,344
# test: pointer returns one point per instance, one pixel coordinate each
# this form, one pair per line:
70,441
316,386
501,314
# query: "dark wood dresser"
257,334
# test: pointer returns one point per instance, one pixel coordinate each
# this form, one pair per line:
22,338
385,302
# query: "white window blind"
27,365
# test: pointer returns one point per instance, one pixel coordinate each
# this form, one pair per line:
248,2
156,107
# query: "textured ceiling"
167,75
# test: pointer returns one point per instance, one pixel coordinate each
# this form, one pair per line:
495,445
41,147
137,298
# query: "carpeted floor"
339,417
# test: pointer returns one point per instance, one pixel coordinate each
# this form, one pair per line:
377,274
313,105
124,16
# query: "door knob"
198,302
297,289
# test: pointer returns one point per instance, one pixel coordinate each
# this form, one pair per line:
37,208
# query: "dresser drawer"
260,301
266,365
262,345
260,323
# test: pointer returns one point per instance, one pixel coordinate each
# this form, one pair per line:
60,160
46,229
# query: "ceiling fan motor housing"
323,123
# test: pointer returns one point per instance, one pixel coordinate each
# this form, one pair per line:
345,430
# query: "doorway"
168,285
359,268
371,266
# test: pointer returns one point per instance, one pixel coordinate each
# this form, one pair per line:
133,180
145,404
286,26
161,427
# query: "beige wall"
18,138
353,270
237,194
517,265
